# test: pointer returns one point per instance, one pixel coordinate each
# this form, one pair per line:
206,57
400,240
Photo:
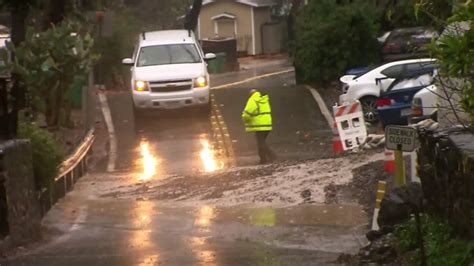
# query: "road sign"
401,138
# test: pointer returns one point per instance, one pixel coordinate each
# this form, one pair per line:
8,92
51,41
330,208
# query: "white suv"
367,87
169,71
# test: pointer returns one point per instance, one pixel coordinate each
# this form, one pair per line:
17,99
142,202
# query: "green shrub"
114,48
332,38
47,153
441,245
48,62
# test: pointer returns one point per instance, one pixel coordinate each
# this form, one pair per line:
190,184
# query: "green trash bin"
220,60
217,65
212,66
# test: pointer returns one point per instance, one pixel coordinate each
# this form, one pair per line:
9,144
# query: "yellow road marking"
222,141
252,79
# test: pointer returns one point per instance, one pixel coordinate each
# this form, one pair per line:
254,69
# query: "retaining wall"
23,209
446,170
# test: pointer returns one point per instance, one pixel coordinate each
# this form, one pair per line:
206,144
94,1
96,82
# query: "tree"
193,16
48,63
400,13
19,11
56,10
455,54
331,38
295,5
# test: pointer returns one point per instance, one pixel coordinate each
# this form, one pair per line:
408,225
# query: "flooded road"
173,200
146,233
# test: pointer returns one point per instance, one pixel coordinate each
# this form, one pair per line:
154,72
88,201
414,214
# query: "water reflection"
148,161
202,251
208,157
205,215
141,239
150,261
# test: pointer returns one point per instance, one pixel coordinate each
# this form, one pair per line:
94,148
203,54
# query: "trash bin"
218,64
221,62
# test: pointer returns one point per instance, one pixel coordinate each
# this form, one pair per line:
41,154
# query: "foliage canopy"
331,38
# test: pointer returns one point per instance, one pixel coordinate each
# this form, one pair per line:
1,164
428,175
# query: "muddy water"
331,215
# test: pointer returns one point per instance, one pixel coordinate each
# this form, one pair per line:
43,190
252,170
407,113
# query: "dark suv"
407,43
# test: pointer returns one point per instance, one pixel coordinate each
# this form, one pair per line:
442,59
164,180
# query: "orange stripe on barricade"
336,140
389,162
340,110
354,108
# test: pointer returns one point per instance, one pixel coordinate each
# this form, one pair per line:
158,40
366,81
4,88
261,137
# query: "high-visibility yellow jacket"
257,113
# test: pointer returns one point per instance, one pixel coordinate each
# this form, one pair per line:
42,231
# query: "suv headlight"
141,85
200,82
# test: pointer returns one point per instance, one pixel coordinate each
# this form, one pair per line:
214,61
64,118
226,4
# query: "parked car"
395,104
425,104
169,71
357,71
365,89
407,43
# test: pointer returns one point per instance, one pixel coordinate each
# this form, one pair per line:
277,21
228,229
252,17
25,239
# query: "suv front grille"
171,85
171,88
170,81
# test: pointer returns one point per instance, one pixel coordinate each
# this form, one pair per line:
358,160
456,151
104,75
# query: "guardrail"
73,168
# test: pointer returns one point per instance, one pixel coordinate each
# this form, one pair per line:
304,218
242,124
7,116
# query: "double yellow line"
222,142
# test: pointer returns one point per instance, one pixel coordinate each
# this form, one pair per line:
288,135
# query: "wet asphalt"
89,230
300,131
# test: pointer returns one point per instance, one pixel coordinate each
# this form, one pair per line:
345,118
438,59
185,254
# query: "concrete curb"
322,106
111,129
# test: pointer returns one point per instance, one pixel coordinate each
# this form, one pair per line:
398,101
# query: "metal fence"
73,168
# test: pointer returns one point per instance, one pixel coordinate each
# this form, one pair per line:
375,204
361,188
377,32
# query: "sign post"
400,176
400,139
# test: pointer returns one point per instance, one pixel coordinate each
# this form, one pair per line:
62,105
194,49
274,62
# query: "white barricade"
350,124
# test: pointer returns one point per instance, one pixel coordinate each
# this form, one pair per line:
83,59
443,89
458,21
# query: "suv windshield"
168,54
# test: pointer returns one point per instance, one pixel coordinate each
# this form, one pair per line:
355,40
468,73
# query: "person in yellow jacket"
257,117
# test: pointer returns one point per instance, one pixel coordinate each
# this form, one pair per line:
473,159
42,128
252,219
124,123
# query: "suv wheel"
369,107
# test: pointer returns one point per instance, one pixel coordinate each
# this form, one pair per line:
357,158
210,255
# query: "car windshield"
368,70
168,54
404,83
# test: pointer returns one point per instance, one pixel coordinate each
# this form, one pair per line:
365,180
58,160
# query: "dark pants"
265,153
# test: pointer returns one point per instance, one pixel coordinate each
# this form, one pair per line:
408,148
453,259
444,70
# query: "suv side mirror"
209,56
127,62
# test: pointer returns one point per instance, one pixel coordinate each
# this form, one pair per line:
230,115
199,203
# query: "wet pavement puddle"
148,162
334,215
145,213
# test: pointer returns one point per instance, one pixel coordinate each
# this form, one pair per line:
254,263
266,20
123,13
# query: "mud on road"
284,184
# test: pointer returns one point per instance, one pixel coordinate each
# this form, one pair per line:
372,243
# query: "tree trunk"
193,16
295,5
56,10
58,102
4,106
19,12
